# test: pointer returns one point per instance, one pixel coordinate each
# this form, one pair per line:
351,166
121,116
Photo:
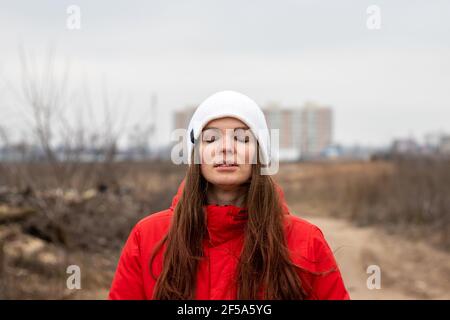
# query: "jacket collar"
225,222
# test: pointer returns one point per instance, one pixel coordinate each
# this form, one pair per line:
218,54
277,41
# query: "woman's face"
227,150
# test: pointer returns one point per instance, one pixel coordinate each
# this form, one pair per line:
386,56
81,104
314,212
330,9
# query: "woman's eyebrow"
245,128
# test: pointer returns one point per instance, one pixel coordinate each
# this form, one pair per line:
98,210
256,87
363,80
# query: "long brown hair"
264,269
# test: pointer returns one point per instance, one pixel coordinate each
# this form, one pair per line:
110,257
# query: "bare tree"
63,119
142,133
46,96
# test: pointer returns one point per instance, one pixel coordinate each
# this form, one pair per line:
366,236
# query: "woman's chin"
227,179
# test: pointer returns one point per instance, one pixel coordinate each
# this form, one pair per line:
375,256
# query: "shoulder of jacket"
154,220
302,229
299,226
299,234
308,244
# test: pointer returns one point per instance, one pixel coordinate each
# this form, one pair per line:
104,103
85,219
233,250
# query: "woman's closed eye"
242,135
210,139
210,135
239,134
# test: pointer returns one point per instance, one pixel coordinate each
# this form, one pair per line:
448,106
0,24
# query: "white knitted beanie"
231,104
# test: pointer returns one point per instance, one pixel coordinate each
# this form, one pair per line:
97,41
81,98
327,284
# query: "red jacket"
305,241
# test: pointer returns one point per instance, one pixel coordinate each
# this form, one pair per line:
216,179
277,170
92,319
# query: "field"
393,214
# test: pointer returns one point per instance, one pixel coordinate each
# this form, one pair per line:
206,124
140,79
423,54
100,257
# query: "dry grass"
86,220
86,224
408,196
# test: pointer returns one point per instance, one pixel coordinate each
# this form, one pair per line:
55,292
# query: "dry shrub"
408,195
86,227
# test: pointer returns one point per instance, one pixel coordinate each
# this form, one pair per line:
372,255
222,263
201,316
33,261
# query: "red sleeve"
329,285
127,283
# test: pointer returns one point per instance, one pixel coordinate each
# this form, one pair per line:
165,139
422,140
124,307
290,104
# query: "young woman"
228,233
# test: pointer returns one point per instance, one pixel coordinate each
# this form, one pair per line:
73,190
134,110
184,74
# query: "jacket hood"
225,222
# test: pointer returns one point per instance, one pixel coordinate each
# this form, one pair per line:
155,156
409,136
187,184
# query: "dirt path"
409,270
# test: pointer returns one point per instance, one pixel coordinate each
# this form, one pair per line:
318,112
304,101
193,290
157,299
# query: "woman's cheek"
247,172
250,155
207,172
207,154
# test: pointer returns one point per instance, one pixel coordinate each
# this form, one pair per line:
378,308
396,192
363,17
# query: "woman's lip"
226,168
226,165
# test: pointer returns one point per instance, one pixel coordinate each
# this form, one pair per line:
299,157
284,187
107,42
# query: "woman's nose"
227,144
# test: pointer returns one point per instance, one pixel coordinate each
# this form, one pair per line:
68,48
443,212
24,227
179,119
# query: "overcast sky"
384,83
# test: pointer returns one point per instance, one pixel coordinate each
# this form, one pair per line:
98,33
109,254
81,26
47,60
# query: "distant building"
405,146
444,145
182,117
316,129
288,121
304,132
432,140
